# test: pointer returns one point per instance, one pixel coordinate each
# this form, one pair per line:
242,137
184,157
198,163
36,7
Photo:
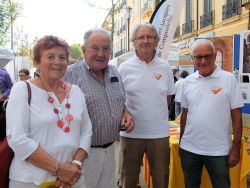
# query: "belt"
103,146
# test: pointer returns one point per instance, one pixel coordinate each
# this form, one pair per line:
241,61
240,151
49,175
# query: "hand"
233,156
2,98
61,184
77,166
69,173
128,121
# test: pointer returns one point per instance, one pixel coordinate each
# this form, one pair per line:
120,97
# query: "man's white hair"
200,42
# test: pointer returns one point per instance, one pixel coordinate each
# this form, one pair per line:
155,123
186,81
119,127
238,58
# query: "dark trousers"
158,153
171,115
217,168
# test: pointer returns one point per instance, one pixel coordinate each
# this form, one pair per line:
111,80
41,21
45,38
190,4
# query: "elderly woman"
51,136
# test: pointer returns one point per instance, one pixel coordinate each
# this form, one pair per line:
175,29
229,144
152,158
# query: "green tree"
75,52
9,11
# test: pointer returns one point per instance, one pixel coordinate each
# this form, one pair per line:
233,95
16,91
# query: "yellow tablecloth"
238,174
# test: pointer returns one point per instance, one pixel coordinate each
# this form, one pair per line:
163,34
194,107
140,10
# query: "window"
121,44
188,10
207,6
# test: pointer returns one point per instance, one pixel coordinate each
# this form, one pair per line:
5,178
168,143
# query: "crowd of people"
65,135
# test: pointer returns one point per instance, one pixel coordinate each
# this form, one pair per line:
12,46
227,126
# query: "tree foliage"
22,46
9,11
75,52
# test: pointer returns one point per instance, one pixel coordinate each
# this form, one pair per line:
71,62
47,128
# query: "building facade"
125,15
199,18
210,18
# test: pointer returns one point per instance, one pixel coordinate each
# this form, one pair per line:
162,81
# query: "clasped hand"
68,175
128,121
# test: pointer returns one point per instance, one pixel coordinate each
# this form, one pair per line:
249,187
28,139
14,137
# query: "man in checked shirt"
105,97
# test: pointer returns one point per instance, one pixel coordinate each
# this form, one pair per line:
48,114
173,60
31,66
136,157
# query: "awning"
6,55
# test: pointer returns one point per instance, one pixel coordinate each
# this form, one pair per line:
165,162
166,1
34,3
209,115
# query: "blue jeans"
217,168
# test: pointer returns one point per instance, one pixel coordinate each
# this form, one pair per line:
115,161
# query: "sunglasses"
207,57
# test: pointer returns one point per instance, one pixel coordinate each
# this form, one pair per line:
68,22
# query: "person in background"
211,105
5,151
149,84
24,74
175,71
105,97
171,106
178,89
5,87
51,136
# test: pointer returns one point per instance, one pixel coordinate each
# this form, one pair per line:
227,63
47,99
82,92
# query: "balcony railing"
122,51
177,32
231,9
188,27
207,19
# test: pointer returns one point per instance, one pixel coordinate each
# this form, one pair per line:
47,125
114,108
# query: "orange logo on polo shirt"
157,76
216,90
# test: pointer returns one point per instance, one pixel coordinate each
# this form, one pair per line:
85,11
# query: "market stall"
238,173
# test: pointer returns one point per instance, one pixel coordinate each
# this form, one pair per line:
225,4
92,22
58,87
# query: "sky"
68,19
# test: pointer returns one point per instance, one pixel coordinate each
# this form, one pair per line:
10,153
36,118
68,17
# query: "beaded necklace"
68,117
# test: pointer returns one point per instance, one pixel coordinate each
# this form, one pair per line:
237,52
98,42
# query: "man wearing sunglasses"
211,101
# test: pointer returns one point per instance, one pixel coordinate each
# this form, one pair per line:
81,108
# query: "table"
238,174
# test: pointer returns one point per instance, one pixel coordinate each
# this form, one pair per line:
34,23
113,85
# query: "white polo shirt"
178,89
147,87
209,101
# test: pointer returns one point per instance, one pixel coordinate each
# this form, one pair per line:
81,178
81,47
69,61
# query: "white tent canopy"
6,55
120,59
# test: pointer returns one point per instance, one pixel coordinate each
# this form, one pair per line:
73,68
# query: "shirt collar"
89,68
151,62
215,73
109,73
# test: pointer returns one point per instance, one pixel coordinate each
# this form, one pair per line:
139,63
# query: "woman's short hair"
48,42
143,25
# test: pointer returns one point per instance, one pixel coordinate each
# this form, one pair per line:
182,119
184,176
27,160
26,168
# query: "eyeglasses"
207,57
97,49
148,37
